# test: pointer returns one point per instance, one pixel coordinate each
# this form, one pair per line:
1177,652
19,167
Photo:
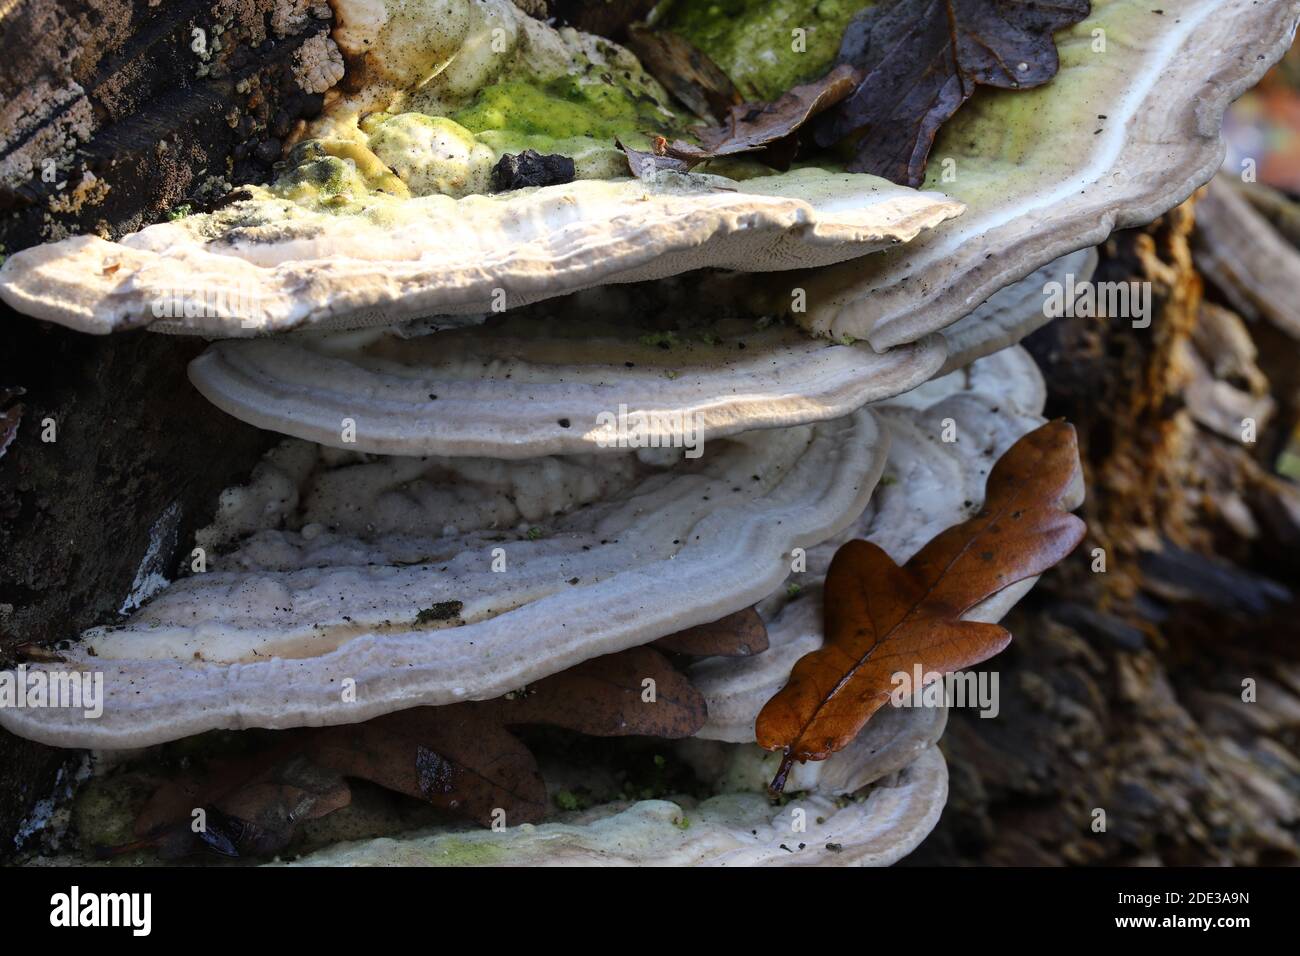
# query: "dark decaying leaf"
606,18
605,697
881,619
462,757
252,804
645,163
531,168
685,71
752,126
922,59
736,635
458,758
769,131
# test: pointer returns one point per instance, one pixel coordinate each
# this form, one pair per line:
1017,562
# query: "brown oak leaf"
881,619
252,804
922,59
645,163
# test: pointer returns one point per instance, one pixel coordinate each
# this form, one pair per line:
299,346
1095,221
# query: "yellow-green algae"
432,154
764,46
562,109
420,154
576,116
1010,142
444,138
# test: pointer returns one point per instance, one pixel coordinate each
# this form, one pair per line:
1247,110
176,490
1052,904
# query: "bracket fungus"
518,387
266,265
584,375
893,764
1128,128
330,542
1245,257
382,214
470,502
432,580
892,815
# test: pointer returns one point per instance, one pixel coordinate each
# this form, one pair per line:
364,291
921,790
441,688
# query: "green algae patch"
765,46
329,173
575,116
320,179
565,108
447,141
418,154
451,851
104,813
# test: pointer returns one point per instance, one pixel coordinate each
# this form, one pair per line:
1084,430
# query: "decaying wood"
109,120
1124,690
114,113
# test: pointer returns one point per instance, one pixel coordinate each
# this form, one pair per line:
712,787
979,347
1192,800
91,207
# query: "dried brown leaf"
736,635
461,758
881,619
768,131
252,804
645,163
458,758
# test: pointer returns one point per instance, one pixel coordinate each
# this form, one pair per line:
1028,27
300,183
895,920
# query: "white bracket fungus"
589,376
425,545
386,219
935,484
519,387
1127,129
1017,310
1242,254
268,265
870,804
434,580
734,829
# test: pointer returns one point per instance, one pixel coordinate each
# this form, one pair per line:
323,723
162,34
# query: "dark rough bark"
133,120
133,438
135,123
1122,691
